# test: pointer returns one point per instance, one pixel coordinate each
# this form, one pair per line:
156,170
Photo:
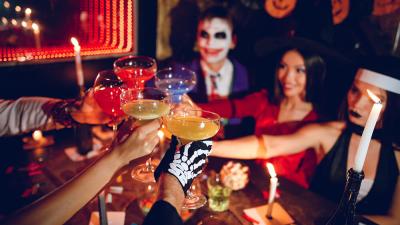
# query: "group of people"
288,131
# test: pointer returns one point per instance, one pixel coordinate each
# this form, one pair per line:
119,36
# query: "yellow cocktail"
146,109
191,128
192,125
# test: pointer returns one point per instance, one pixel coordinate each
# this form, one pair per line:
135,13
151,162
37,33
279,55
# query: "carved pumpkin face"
279,8
340,10
383,7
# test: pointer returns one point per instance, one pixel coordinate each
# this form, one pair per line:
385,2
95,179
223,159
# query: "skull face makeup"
214,39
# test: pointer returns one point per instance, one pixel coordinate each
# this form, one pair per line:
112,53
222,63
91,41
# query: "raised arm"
29,113
315,136
58,206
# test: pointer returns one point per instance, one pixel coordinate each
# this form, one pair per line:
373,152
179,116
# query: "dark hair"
315,73
218,12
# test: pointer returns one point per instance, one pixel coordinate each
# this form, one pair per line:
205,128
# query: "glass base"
194,202
144,174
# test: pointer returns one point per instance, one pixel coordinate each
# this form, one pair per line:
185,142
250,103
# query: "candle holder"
345,213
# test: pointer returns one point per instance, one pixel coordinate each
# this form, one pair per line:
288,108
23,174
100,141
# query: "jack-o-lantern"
340,10
383,7
279,8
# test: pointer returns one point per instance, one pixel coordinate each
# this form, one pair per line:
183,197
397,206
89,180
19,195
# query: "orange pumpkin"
340,10
383,7
279,8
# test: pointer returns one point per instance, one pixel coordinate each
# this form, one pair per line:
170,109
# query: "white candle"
78,62
28,12
273,183
367,133
36,33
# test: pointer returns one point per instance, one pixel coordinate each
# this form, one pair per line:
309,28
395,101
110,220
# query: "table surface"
304,206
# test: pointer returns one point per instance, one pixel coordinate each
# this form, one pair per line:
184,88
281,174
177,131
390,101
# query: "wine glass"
175,82
144,105
107,90
135,70
192,125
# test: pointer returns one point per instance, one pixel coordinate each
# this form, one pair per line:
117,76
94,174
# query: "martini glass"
135,70
192,125
144,105
107,90
175,82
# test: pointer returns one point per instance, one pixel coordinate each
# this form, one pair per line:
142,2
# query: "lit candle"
36,33
273,183
161,135
78,62
37,135
28,12
367,133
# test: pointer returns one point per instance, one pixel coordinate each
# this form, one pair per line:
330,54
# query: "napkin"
257,215
114,218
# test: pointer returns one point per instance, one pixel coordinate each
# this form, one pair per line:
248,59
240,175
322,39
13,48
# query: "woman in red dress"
299,75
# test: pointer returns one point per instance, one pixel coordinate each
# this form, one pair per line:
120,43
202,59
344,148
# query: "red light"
110,31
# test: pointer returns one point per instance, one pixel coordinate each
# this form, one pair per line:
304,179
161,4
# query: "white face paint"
214,39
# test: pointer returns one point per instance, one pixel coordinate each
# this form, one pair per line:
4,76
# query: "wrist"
171,190
62,112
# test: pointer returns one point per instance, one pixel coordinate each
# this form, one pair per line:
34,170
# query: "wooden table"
304,206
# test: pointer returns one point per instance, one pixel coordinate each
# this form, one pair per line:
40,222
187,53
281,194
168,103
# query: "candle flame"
75,42
271,170
160,134
37,135
24,24
35,28
28,11
374,97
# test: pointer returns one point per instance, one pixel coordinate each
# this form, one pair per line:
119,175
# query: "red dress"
298,167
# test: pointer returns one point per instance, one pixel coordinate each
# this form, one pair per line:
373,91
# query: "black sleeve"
162,213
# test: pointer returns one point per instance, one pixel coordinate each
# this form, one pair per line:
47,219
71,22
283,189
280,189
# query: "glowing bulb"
14,22
35,28
28,12
18,8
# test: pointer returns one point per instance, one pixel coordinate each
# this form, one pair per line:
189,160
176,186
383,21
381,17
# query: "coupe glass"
192,125
144,105
107,90
175,82
135,70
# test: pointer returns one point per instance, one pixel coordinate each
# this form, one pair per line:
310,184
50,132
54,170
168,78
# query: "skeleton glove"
185,163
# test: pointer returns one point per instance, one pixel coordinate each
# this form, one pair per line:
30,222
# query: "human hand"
186,163
186,104
89,111
133,141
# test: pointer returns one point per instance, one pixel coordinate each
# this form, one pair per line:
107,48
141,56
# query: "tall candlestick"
367,133
273,183
36,33
161,136
78,63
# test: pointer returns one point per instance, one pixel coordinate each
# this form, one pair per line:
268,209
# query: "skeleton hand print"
186,163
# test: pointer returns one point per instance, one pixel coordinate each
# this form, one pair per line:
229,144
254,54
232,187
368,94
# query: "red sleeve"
249,105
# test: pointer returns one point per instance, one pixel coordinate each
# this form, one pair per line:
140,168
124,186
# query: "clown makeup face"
360,104
214,39
292,74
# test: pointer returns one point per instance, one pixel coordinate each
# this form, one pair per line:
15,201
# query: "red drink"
108,99
135,76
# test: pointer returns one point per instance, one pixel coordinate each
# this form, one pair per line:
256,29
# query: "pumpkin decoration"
383,7
279,8
340,10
